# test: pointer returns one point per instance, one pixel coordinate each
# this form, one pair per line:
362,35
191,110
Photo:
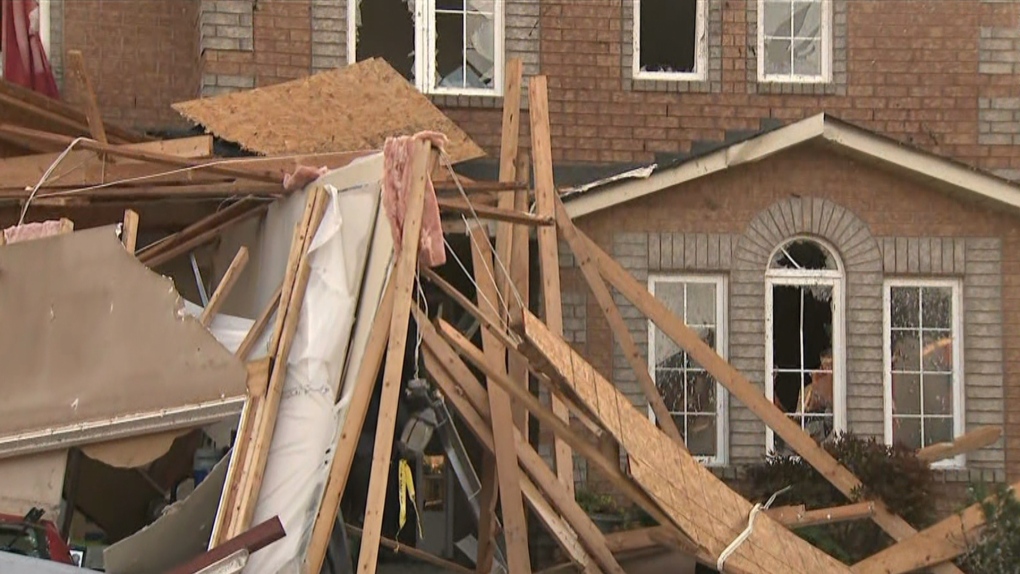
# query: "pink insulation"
397,185
302,176
32,231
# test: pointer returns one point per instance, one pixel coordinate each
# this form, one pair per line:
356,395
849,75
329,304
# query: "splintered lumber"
515,530
404,281
136,154
347,440
508,215
76,62
700,504
974,440
259,325
548,248
520,273
937,544
413,552
200,232
129,231
230,278
253,540
741,388
619,327
799,517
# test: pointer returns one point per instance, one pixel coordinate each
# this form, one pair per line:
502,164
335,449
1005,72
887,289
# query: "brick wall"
880,226
142,55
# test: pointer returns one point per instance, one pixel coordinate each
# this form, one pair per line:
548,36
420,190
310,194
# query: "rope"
755,510
46,175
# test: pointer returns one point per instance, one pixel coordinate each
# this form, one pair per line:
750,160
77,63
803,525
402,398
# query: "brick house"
634,82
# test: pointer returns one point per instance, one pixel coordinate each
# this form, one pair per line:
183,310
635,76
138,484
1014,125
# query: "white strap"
755,510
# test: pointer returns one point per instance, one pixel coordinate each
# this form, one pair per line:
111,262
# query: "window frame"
834,278
826,23
958,389
721,457
424,45
700,49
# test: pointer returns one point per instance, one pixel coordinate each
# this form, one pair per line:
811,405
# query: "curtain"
25,61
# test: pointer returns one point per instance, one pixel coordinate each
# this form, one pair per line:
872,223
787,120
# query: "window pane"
938,430
450,49
938,394
481,50
906,351
456,5
668,35
807,20
803,254
777,57
937,353
701,435
937,307
671,387
907,431
807,59
671,293
906,394
777,19
905,306
701,304
667,354
701,392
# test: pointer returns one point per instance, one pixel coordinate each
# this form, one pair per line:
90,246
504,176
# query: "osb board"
90,333
700,504
349,109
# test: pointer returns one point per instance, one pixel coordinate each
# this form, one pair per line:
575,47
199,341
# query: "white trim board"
823,128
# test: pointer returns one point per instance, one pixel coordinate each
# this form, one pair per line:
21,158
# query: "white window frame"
834,279
959,410
826,47
700,50
425,50
722,428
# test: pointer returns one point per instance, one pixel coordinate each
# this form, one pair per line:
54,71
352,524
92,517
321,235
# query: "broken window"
793,41
443,46
922,342
803,328
693,397
669,38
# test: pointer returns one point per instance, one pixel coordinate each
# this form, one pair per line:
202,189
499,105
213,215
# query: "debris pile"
329,371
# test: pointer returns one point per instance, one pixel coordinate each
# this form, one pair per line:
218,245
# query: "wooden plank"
230,277
939,543
404,281
974,440
548,248
347,440
76,63
621,333
502,214
515,530
139,155
626,541
244,349
695,500
745,391
129,231
200,234
798,517
252,540
520,282
488,525
413,552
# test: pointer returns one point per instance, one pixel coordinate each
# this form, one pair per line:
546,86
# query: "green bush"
892,474
998,549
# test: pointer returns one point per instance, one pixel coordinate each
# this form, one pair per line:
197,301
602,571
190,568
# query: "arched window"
804,358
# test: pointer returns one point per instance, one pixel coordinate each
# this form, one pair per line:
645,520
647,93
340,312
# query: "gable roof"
941,172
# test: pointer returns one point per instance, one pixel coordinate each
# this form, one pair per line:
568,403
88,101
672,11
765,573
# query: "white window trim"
424,45
959,410
826,75
833,278
722,331
700,50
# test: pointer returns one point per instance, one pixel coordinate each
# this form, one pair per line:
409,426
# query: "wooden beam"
259,325
508,215
413,552
638,363
548,248
520,284
227,283
404,281
738,385
347,440
218,188
76,63
252,540
129,230
139,155
641,539
974,440
798,517
200,233
939,543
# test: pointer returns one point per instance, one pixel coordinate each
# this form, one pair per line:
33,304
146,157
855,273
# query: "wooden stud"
621,333
520,275
244,349
974,440
640,539
404,281
745,391
189,239
501,214
230,277
129,230
397,547
347,440
515,531
76,63
798,517
548,248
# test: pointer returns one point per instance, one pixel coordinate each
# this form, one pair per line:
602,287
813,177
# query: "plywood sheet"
350,109
90,334
700,504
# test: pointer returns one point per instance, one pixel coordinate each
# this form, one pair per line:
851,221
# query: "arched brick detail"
862,263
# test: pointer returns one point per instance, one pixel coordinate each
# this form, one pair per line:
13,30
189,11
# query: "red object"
39,539
25,61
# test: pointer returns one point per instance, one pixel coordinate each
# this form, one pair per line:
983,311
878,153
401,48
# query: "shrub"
892,474
998,549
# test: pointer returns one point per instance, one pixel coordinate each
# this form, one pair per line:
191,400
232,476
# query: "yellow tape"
407,490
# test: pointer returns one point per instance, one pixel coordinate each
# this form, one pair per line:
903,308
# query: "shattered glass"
668,36
803,254
793,34
465,43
